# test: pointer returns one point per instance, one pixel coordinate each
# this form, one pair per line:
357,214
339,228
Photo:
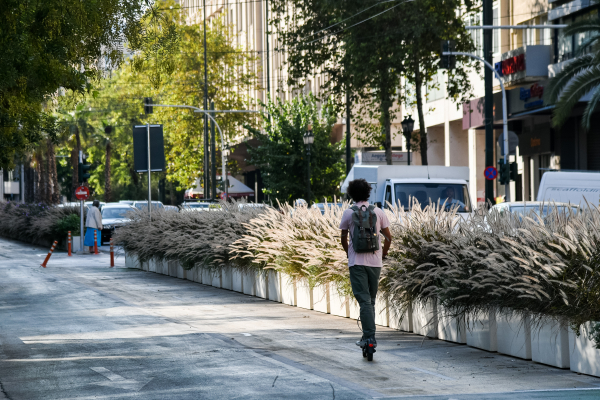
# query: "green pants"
365,281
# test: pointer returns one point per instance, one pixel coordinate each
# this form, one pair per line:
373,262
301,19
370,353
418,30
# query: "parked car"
128,202
172,208
113,216
541,208
200,206
89,204
143,204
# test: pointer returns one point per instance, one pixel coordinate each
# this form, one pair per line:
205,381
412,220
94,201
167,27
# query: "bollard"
69,245
49,254
96,241
112,254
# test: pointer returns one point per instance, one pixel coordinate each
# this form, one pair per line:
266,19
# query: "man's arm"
387,242
344,240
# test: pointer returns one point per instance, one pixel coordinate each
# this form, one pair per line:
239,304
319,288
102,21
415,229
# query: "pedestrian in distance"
365,224
93,223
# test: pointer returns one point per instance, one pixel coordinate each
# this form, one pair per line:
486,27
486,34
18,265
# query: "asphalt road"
79,330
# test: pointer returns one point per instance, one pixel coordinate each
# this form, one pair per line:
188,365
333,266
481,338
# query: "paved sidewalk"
80,330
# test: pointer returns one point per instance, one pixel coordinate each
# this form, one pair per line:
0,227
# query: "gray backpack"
365,238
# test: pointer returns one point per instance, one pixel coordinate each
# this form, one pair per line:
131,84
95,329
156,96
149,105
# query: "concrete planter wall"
584,356
274,285
248,282
514,336
262,285
226,278
338,304
304,295
321,298
236,280
550,344
288,290
451,329
425,321
483,332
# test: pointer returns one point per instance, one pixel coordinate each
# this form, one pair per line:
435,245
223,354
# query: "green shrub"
66,224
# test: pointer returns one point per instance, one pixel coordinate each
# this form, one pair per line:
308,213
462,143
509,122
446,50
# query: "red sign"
511,65
490,173
82,193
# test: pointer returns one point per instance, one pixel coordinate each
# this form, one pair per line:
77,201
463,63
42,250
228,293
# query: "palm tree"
104,140
579,77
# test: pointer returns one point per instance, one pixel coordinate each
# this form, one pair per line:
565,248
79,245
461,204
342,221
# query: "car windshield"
144,205
545,210
453,195
115,212
196,205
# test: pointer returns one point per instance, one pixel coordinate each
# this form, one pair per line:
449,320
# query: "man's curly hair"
359,190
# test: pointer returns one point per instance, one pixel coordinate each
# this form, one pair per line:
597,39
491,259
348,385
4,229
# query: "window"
496,35
435,88
476,34
388,196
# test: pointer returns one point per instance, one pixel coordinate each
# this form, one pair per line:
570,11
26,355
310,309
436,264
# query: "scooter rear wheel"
364,352
369,356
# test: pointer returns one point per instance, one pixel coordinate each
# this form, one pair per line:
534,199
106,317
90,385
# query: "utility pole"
348,150
267,38
206,155
213,159
489,97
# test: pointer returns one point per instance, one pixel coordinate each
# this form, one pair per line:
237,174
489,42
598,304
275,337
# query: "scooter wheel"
364,353
370,357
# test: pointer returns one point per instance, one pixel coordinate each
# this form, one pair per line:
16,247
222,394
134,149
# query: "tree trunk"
107,186
422,128
75,163
386,104
172,193
54,193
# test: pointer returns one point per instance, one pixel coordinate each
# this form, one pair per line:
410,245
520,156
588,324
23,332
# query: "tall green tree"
367,48
580,76
51,46
281,155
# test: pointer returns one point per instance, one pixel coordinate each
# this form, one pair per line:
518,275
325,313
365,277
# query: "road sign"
490,173
82,193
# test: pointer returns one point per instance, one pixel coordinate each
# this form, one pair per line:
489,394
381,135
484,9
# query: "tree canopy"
281,155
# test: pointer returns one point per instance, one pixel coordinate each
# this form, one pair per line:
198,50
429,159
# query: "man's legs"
365,281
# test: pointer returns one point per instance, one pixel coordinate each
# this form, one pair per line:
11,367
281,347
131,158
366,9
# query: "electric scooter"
368,349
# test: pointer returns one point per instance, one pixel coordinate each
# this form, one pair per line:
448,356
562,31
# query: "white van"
570,187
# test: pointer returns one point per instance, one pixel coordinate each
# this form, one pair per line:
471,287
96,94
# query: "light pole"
224,157
309,139
408,125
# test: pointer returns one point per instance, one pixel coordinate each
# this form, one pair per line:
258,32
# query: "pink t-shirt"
367,259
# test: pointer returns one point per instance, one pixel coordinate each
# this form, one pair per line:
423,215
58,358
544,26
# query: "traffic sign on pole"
82,193
490,173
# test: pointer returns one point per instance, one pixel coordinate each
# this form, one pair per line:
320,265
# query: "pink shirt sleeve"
346,219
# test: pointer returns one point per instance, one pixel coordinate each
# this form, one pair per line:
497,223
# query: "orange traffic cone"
96,241
49,254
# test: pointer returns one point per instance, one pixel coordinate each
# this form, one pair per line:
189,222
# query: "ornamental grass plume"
34,222
191,237
298,241
545,267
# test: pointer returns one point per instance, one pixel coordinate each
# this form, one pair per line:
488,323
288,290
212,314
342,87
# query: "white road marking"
118,381
246,334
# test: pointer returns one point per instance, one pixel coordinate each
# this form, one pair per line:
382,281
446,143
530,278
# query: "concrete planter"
76,244
338,304
584,356
236,280
401,321
425,321
304,295
181,273
451,329
261,286
550,344
288,290
274,282
172,268
215,279
483,332
514,336
206,276
226,278
353,307
152,265
382,316
249,282
194,275
131,261
321,298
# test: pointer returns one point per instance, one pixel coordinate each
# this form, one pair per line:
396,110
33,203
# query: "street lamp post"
224,156
309,139
408,125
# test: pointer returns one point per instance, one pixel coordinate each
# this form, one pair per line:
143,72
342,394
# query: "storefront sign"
525,64
526,98
378,157
535,139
